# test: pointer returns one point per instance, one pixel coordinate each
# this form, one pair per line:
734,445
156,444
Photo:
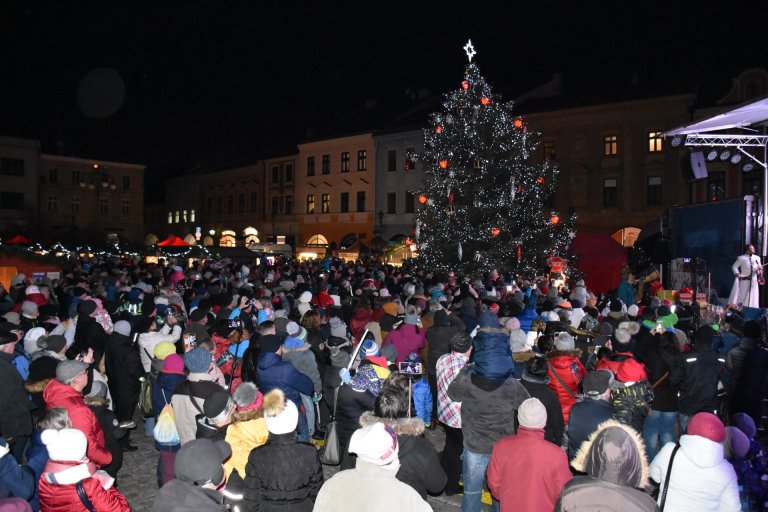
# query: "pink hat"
173,364
707,425
512,324
176,277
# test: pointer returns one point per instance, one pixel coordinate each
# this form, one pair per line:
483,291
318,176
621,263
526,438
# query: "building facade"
335,194
19,190
279,206
90,200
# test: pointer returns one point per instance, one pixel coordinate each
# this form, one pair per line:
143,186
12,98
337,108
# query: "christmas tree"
482,202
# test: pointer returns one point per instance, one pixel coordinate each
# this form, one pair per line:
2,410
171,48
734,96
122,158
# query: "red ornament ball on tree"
540,180
423,198
518,123
465,85
495,232
443,164
484,100
439,129
554,219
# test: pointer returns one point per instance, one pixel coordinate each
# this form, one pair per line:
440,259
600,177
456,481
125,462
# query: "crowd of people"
550,397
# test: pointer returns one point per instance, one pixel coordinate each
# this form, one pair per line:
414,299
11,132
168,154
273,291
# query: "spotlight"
712,155
735,158
676,141
725,155
748,167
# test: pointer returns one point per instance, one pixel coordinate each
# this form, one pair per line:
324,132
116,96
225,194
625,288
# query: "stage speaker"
699,165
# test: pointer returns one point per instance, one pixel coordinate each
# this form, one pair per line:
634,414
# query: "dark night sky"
207,78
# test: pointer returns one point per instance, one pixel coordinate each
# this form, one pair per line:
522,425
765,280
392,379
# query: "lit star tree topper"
487,186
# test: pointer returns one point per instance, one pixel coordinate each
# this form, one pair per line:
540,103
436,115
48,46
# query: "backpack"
165,432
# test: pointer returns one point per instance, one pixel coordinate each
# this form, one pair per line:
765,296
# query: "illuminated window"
176,216
362,160
325,203
654,142
610,192
227,241
184,216
311,203
317,240
191,215
345,161
610,145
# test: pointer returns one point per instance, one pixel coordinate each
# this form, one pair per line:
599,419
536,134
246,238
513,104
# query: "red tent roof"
19,239
173,241
600,260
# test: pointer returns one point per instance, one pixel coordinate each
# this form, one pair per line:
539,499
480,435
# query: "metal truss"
755,141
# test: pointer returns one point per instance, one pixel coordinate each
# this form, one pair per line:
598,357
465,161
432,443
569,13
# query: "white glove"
4,449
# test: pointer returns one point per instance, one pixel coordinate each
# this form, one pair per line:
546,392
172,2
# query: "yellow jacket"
244,437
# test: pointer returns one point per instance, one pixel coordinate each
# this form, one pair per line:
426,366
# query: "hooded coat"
58,490
406,339
419,464
124,370
701,480
614,459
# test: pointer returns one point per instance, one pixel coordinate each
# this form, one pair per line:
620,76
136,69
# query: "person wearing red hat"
700,478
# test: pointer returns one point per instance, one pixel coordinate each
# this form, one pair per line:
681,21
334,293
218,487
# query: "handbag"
165,432
666,479
145,394
84,497
331,454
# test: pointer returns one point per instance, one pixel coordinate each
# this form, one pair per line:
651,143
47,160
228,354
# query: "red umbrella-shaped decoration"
18,240
173,241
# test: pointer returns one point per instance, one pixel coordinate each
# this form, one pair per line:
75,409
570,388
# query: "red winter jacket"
406,340
57,394
569,369
357,326
63,497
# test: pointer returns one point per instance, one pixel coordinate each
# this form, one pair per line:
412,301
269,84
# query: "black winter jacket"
15,419
697,375
124,369
282,475
438,338
657,363
88,334
553,430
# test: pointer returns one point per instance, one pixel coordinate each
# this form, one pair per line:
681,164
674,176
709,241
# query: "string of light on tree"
484,195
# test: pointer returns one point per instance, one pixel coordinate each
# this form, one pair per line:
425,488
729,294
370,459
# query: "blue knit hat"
197,360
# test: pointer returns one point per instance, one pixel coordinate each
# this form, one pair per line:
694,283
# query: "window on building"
410,163
53,203
410,202
345,161
392,202
53,175
610,145
74,206
752,182
654,191
326,164
288,173
275,175
391,160
125,207
310,166
191,215
610,192
716,186
288,205
241,203
274,205
76,177
11,166
362,160
311,203
176,217
654,142
344,203
184,216
361,201
126,182
209,206
325,203
550,150
317,240
254,202
230,204
220,205
104,207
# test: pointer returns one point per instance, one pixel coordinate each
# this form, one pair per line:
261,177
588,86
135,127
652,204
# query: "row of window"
325,162
408,163
11,166
410,202
74,205
288,174
325,202
77,177
181,216
216,204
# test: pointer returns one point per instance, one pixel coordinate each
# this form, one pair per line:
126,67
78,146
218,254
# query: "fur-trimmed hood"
614,453
401,426
48,353
524,356
564,353
36,386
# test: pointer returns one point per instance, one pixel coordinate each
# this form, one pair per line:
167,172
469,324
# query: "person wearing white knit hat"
527,472
378,460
